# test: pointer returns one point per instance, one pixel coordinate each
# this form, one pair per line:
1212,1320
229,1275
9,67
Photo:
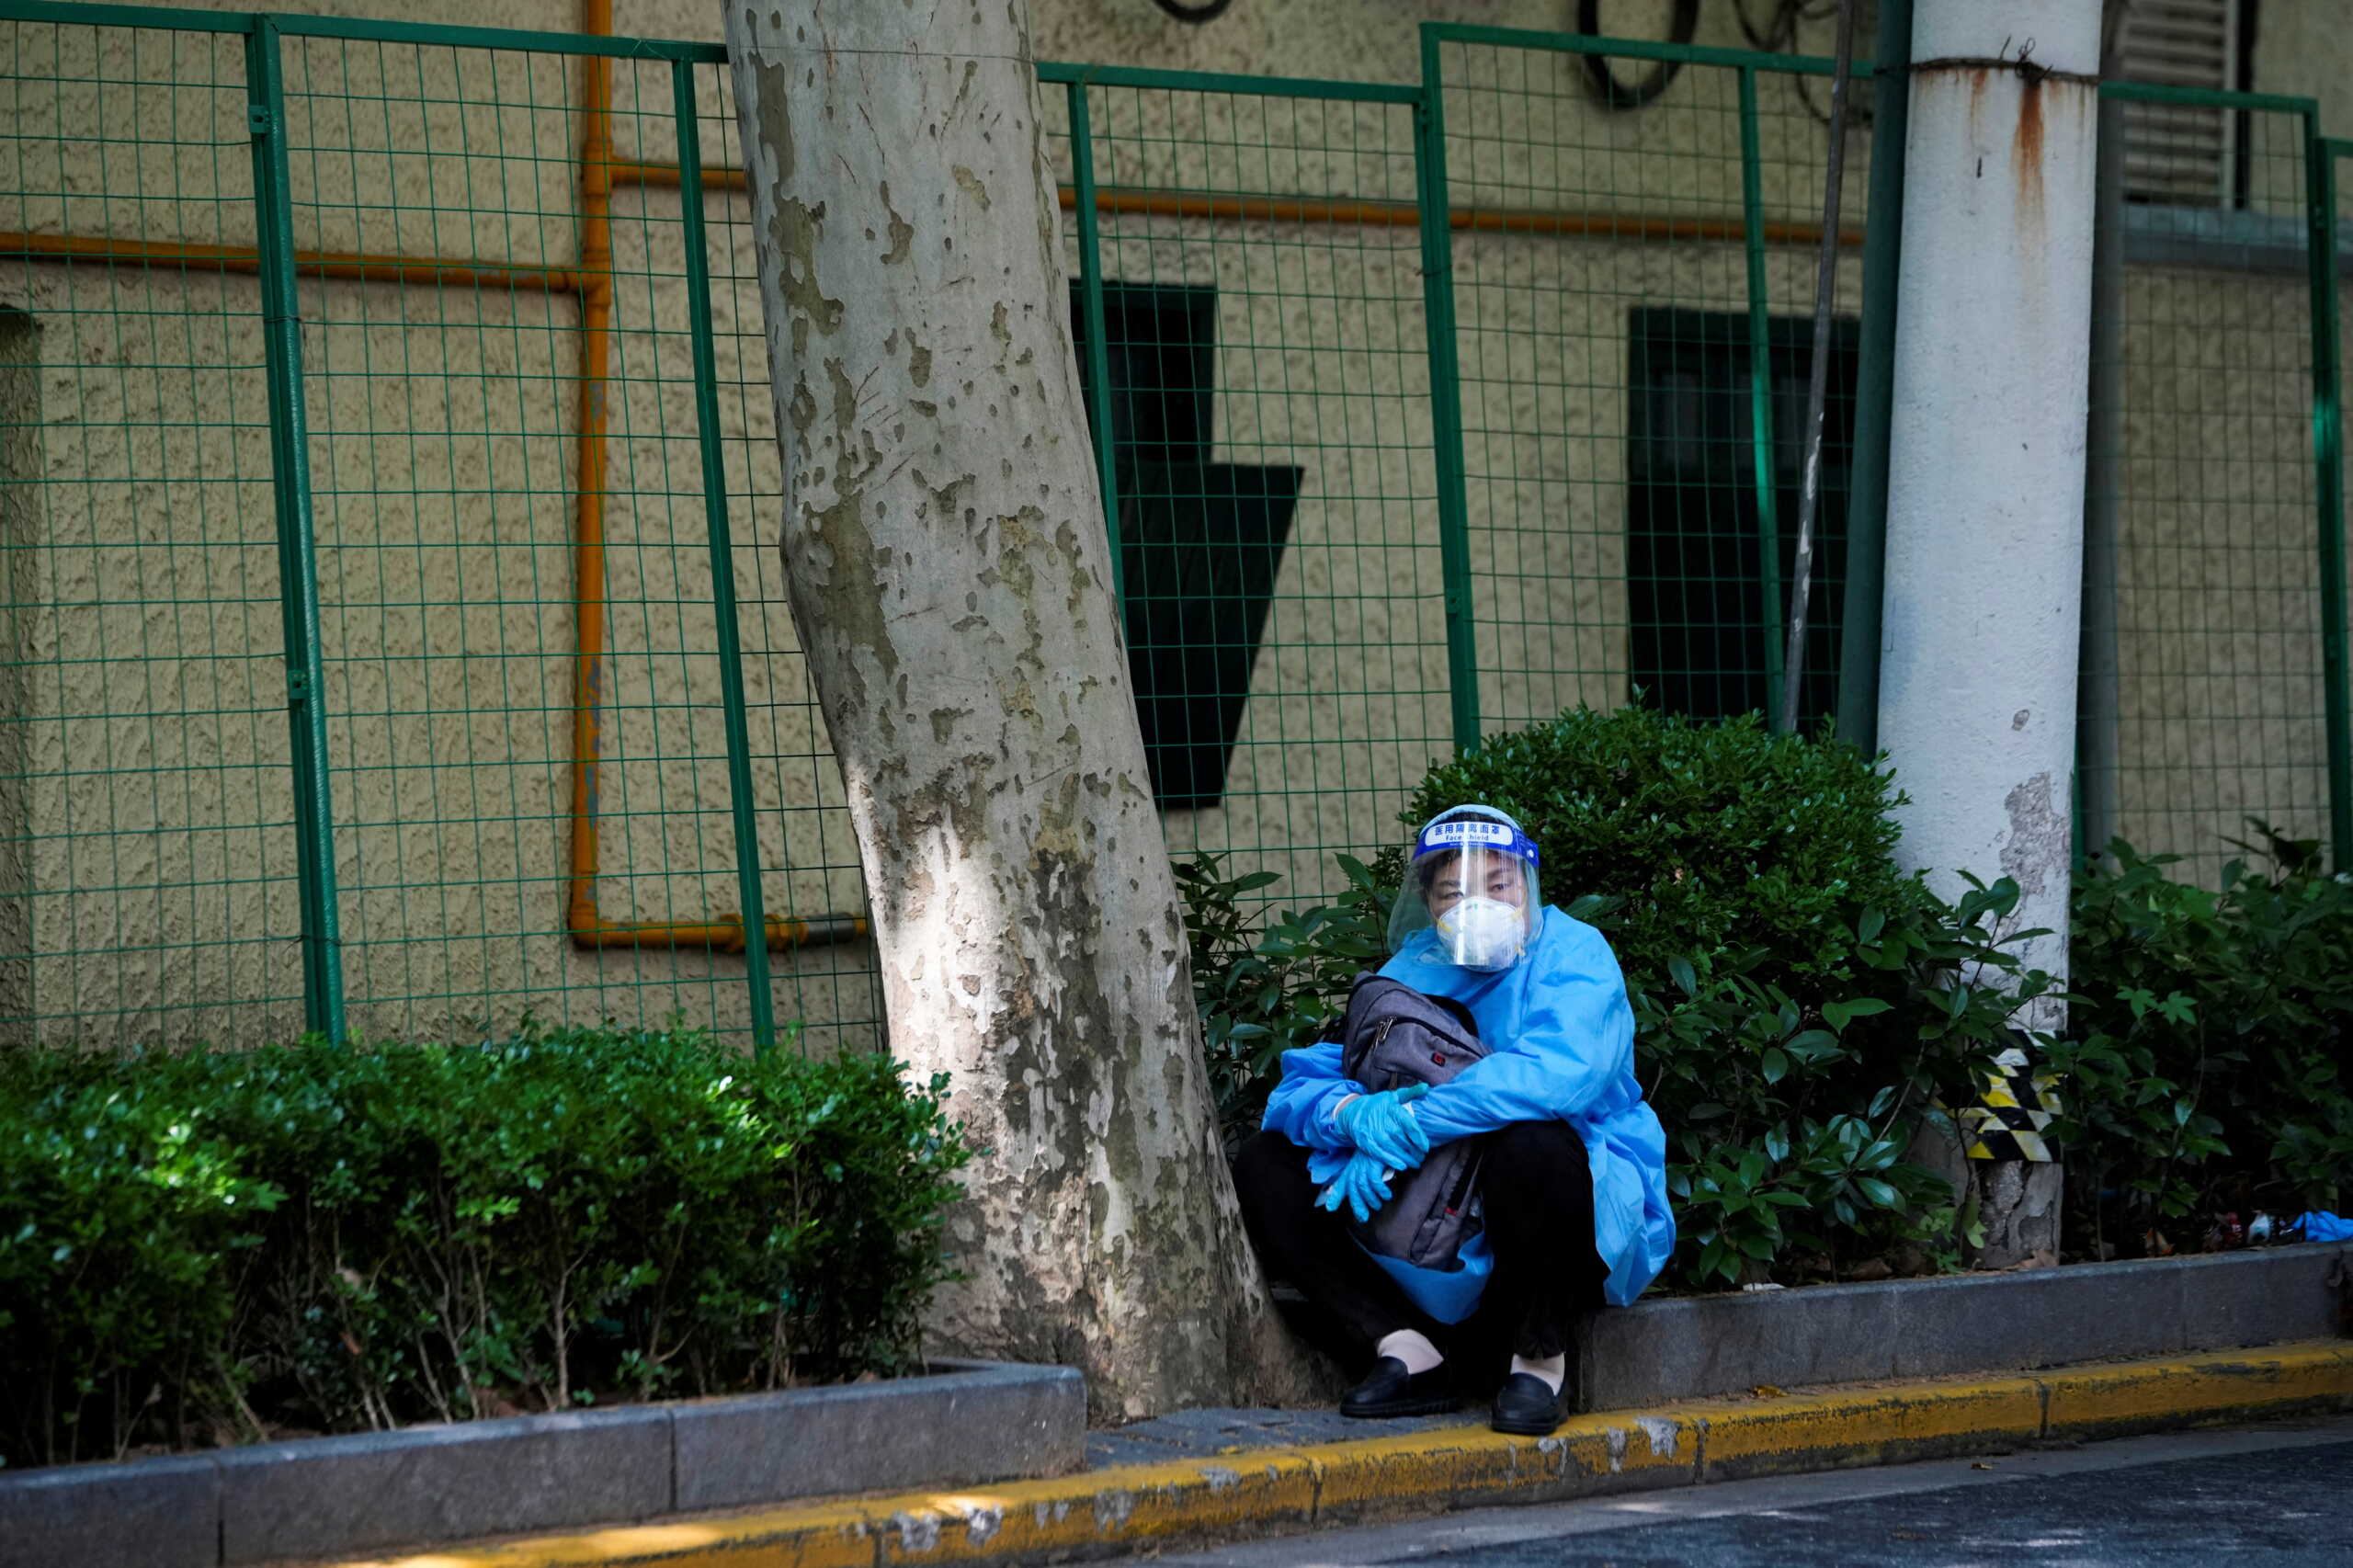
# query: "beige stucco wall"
2300,49
2220,708
154,894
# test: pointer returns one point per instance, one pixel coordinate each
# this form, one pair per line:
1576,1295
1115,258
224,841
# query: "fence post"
2098,733
723,560
1098,348
2328,458
1446,395
1875,382
1760,393
290,463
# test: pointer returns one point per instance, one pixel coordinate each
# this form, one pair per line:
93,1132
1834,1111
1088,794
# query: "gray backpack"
1393,1036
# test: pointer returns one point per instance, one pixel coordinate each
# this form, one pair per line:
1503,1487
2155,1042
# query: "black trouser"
1537,1191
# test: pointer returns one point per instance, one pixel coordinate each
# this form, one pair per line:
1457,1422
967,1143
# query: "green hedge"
1707,837
2206,1067
1800,1004
336,1239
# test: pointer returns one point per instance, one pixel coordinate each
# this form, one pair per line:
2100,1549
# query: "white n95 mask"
1483,933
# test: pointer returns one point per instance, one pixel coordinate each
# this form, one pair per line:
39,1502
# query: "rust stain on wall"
2025,152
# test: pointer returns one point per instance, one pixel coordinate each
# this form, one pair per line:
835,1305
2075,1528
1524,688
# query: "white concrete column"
1985,463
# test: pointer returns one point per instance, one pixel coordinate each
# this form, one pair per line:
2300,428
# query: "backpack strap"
1378,1003
1372,994
1459,1011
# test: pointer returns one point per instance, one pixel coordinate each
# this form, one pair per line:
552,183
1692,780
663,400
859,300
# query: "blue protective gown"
1562,1036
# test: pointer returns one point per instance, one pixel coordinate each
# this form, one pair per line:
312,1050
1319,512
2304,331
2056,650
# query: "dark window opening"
1694,582
1200,543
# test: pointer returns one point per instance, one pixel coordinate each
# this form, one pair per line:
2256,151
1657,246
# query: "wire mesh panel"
2221,715
570,766
1267,394
531,708
813,886
1633,295
440,406
147,856
506,329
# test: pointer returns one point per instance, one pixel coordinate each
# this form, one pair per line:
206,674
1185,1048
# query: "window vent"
2181,155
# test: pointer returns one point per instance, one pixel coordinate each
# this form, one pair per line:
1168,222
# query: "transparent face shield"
1472,881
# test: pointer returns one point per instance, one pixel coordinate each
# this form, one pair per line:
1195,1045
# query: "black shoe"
1527,1406
1390,1390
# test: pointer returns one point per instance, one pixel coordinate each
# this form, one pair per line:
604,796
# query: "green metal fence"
2213,651
1633,296
386,455
1255,331
1380,361
435,316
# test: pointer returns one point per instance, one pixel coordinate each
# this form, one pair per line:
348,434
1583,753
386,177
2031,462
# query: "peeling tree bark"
944,545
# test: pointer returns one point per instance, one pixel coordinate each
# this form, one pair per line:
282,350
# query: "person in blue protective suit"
1571,1191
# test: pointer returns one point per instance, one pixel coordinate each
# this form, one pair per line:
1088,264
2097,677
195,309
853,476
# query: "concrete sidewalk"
1211,1475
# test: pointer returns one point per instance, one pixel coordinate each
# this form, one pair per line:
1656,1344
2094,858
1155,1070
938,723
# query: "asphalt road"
2279,1494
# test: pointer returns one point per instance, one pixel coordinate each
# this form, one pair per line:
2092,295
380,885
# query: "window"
2182,155
1200,543
1695,590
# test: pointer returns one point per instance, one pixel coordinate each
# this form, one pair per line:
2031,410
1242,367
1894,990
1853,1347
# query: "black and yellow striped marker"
2009,1118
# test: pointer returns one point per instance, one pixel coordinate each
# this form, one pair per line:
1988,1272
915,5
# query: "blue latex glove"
1383,1125
1363,1184
2322,1226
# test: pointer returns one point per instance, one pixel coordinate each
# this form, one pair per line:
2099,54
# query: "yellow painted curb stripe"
1141,1506
1818,1431
2220,1383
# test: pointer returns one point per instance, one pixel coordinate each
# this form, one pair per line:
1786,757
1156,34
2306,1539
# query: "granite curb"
967,1423
974,1424
1254,1491
1696,1347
